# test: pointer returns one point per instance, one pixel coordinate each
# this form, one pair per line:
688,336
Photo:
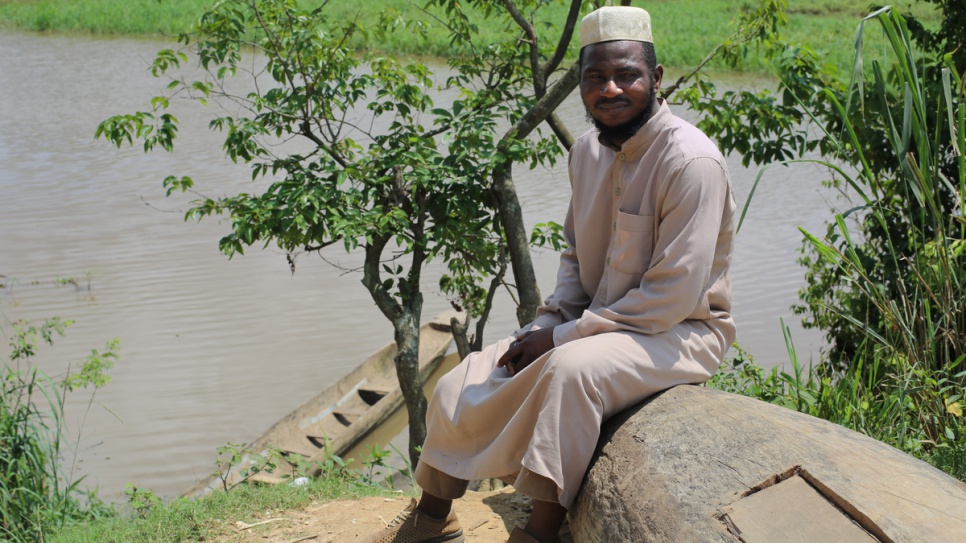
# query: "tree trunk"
406,329
518,242
405,317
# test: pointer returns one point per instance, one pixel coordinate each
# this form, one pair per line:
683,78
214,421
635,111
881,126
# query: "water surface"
215,351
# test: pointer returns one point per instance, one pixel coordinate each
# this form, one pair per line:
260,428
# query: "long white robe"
642,303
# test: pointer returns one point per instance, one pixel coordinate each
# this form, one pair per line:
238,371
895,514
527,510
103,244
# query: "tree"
404,194
432,182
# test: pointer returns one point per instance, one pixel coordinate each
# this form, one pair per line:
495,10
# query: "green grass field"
684,30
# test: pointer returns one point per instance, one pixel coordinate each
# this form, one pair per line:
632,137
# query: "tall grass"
34,496
915,335
899,256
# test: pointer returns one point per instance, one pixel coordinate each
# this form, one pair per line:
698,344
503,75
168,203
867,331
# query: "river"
214,351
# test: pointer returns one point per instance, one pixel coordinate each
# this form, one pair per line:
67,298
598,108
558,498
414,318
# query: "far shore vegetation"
685,30
885,280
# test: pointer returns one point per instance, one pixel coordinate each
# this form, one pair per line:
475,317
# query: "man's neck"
615,143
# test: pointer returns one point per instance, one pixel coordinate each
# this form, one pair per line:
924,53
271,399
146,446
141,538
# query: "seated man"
641,304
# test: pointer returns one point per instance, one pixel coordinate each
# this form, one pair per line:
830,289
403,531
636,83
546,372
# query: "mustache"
612,101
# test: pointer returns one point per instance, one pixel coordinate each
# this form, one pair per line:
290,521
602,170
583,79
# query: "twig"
241,526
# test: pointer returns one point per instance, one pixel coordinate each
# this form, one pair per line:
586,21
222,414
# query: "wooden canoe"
341,416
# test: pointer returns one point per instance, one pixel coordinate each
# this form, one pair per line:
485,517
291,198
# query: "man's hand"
527,348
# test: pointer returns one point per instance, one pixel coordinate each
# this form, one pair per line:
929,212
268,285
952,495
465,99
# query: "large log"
694,464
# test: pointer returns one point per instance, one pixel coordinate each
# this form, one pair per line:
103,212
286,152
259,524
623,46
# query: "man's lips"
611,104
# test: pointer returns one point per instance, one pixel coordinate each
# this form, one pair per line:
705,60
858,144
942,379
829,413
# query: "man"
641,304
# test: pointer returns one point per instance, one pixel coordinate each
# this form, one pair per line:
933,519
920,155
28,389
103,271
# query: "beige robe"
642,303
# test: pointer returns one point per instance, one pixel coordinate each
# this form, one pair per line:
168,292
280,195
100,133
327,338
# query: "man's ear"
658,76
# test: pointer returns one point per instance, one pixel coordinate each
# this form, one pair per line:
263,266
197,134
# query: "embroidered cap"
613,23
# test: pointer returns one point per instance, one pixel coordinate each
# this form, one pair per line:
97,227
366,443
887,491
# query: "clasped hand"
527,348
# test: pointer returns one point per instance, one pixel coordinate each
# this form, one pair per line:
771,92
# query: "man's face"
617,88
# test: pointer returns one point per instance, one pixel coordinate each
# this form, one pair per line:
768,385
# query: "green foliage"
237,465
215,514
418,182
887,281
102,16
371,464
891,283
952,460
142,500
234,457
907,206
548,234
34,498
903,271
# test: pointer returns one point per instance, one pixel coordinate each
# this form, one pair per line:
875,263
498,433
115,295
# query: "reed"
903,259
896,260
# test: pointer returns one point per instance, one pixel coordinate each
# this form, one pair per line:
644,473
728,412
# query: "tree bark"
405,318
406,330
518,243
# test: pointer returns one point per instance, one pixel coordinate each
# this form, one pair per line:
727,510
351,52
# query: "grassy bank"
685,30
215,517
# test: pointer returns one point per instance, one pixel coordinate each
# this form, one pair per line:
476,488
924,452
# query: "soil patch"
486,517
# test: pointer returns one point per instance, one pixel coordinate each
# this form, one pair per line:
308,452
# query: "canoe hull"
338,418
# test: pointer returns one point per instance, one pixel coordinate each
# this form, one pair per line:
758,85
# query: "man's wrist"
565,333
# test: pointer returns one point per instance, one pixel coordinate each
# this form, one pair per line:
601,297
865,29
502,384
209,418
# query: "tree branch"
546,105
564,43
372,281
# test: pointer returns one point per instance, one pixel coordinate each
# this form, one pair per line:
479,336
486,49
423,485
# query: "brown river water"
214,351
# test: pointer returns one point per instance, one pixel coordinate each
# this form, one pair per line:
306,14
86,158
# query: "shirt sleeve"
692,214
569,299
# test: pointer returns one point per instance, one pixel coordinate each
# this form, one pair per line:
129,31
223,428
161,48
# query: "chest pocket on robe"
633,243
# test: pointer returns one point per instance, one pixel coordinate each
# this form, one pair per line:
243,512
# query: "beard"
626,130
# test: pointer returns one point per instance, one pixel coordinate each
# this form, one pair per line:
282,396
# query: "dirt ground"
486,517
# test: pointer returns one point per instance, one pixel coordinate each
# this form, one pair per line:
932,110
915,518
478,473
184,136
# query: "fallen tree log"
695,464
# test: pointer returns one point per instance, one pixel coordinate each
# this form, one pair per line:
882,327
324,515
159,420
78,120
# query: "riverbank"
299,514
685,30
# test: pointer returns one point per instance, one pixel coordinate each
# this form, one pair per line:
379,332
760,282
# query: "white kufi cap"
614,23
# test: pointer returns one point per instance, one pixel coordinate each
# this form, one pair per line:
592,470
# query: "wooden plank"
792,511
666,468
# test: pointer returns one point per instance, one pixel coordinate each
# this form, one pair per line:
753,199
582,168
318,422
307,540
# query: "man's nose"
610,89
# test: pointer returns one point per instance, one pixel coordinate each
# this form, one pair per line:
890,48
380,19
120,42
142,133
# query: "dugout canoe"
341,416
693,464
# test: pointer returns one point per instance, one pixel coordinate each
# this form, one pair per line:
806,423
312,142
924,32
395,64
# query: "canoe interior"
339,417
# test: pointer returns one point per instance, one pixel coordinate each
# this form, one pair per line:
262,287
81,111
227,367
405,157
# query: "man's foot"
413,526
